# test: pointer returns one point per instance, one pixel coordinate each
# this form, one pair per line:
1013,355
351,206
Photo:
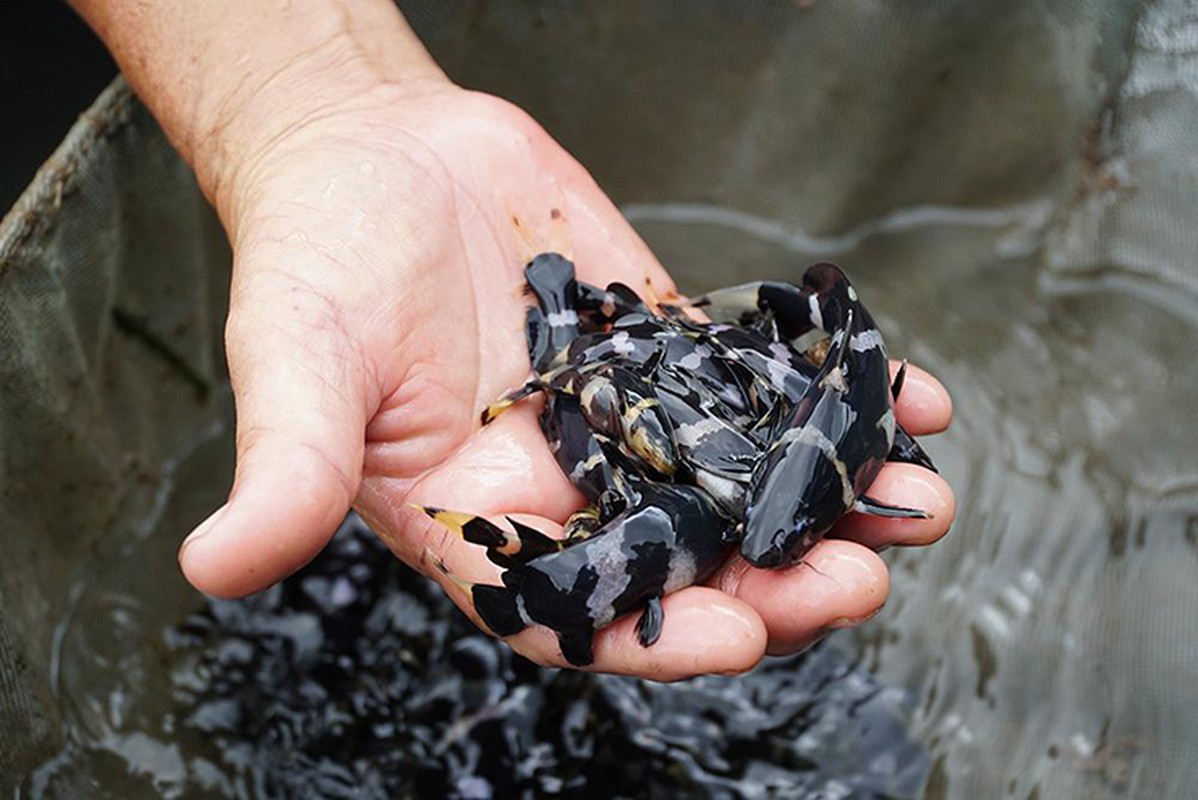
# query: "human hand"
377,307
380,218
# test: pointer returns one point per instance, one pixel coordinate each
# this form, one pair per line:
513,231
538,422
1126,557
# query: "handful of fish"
757,430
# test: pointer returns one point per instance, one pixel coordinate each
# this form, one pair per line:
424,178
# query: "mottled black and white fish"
685,438
670,536
827,450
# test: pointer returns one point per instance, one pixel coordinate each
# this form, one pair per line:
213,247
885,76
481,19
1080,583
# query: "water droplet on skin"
366,167
296,237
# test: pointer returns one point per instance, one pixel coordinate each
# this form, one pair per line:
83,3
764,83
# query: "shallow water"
1047,648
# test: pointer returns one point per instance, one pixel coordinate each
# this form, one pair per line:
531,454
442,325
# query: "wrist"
229,79
337,63
233,137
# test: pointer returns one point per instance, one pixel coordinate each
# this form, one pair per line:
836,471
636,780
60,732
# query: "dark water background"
356,678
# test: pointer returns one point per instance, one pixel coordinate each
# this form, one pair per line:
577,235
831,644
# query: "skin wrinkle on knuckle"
250,438
541,658
416,538
437,405
394,458
729,578
655,669
734,672
247,437
465,604
347,481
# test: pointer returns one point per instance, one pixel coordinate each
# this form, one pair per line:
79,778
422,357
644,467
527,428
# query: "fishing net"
1014,188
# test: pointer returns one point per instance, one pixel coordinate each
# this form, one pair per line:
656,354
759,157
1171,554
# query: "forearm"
226,77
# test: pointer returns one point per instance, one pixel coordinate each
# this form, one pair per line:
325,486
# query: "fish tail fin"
532,542
496,606
503,547
510,399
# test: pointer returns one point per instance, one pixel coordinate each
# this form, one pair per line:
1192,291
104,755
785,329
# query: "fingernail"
736,672
922,393
203,528
840,623
799,645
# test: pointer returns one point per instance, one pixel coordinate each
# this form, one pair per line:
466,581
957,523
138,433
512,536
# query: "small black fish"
686,438
668,538
828,449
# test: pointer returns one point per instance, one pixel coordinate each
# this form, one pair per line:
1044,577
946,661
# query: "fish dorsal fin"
653,363
896,387
846,341
626,295
533,543
776,420
834,374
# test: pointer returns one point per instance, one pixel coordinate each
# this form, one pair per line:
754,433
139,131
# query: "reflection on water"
1047,648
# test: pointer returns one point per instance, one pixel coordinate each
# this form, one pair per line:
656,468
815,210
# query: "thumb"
300,396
